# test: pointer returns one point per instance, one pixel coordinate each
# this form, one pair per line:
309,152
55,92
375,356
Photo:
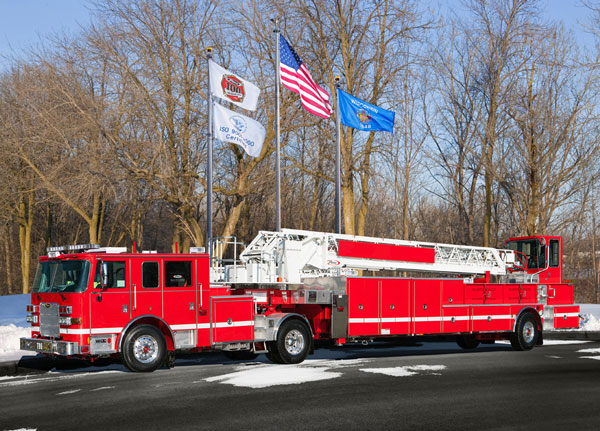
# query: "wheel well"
536,316
152,321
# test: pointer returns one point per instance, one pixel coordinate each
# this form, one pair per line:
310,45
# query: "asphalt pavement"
382,386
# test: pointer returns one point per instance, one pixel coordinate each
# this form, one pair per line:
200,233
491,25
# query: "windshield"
533,251
61,276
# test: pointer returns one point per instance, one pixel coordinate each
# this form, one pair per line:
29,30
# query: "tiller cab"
290,289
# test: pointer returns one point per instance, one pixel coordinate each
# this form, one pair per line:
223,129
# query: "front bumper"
64,348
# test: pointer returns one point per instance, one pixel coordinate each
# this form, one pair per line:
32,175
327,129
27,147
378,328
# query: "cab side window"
178,273
150,275
116,274
554,253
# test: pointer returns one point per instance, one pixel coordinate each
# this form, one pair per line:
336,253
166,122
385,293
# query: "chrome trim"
64,348
275,320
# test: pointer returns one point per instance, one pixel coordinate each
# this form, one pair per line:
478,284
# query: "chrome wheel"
528,332
294,342
145,349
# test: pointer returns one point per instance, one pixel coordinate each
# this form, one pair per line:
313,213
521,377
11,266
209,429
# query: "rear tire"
144,349
526,333
467,342
293,343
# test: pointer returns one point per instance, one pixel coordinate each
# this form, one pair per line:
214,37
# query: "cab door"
146,287
110,309
180,299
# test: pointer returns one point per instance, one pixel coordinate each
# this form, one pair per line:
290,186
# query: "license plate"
44,346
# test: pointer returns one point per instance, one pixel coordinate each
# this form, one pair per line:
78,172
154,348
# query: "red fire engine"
289,289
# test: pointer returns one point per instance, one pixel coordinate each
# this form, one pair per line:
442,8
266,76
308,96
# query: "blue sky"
24,22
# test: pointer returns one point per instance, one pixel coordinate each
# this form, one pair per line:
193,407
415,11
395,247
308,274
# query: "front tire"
292,344
526,333
144,349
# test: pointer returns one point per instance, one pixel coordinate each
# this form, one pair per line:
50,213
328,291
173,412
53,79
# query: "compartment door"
231,319
363,306
427,306
395,306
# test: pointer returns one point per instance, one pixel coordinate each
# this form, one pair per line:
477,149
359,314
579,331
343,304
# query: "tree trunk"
347,185
25,220
8,262
365,177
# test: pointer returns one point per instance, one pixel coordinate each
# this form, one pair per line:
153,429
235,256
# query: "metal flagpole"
277,139
338,191
209,165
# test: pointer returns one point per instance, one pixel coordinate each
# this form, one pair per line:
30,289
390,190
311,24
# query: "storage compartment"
566,317
231,319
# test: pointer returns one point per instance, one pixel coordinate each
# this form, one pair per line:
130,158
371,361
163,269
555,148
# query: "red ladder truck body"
290,289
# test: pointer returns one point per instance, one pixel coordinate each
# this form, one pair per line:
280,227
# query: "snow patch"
9,337
552,342
274,375
590,323
50,377
408,370
590,357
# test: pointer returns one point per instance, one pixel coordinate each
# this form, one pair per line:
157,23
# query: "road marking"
69,392
102,388
594,350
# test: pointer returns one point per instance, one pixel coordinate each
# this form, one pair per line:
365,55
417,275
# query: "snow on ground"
591,317
263,376
409,370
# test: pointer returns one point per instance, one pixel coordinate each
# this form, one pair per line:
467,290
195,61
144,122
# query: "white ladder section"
291,255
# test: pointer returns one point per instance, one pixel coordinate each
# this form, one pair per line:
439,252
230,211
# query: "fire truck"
287,291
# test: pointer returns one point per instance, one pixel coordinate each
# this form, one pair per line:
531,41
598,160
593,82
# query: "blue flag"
361,115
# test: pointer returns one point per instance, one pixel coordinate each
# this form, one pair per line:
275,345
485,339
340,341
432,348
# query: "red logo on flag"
233,88
363,116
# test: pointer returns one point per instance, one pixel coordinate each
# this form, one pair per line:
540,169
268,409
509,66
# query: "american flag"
296,77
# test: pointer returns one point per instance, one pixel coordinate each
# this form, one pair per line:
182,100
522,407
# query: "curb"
38,365
572,335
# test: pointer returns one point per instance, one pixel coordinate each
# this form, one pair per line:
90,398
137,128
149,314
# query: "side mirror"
104,275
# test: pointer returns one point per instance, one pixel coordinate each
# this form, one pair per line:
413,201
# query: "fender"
130,324
535,314
279,318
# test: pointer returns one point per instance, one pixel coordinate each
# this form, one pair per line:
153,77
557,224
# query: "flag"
232,88
296,77
230,126
361,115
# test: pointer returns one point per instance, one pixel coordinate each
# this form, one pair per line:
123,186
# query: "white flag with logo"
230,126
232,88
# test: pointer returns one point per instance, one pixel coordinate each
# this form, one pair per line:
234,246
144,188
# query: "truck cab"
539,256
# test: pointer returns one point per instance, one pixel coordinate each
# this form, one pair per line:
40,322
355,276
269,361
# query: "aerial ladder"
291,255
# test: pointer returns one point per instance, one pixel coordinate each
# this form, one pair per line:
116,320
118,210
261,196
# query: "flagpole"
209,164
277,138
338,191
